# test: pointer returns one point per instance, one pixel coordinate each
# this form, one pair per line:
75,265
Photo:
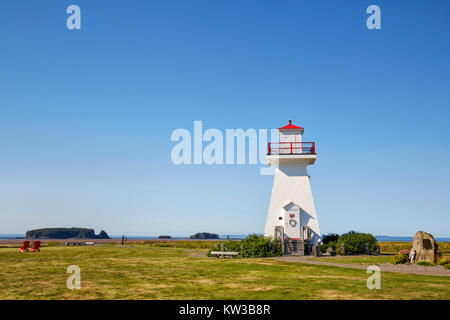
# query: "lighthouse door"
292,222
293,243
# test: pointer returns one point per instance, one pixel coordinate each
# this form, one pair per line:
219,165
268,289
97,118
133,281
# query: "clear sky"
86,115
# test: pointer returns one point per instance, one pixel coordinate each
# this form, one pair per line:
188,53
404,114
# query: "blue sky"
86,115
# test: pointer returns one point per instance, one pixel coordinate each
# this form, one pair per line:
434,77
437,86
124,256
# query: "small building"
292,215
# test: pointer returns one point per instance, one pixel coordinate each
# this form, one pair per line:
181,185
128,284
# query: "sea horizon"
9,236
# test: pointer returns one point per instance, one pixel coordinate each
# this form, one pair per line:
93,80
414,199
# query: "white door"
292,222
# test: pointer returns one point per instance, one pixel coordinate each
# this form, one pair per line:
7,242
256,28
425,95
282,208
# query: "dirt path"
400,268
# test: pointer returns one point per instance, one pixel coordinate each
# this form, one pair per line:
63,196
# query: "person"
412,255
124,239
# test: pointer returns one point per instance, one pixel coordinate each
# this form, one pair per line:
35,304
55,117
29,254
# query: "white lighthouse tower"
292,216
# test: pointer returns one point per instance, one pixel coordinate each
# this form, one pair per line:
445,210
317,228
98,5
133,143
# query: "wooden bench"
75,244
222,254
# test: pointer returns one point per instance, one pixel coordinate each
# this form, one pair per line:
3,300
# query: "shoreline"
103,241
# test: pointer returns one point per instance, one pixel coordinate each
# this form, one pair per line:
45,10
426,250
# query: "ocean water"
8,236
243,236
231,236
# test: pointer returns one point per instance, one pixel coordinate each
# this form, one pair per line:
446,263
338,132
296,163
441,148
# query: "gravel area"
400,268
416,269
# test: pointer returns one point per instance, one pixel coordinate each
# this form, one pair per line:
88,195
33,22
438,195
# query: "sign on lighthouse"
292,215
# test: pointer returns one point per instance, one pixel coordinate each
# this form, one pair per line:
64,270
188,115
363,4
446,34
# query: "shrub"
399,259
253,246
356,241
231,245
330,237
447,266
425,263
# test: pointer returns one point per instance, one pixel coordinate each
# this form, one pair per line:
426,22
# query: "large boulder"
425,246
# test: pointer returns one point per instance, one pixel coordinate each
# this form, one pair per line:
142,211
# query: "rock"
102,235
343,249
331,251
316,250
377,250
425,247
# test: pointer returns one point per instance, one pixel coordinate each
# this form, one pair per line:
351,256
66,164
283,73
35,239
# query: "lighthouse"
292,216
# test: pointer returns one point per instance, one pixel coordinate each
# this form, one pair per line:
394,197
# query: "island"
204,235
65,233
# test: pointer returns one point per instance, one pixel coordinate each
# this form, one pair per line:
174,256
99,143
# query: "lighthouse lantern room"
292,215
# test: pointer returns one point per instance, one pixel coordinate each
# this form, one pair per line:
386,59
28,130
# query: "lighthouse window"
280,218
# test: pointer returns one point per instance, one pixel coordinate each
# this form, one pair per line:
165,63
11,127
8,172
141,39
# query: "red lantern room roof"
290,126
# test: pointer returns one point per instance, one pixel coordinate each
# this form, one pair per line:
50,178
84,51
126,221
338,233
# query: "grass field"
146,272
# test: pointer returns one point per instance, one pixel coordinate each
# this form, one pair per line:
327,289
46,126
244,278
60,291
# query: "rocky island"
204,235
65,233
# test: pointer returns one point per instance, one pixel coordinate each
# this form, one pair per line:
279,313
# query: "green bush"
329,241
330,237
231,245
447,266
325,246
425,263
399,259
253,246
356,241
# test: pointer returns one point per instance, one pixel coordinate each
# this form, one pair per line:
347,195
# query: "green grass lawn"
144,272
363,260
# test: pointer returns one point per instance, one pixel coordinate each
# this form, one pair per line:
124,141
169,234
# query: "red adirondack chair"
36,246
25,247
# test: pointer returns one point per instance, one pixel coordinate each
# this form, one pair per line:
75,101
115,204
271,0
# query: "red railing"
291,148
